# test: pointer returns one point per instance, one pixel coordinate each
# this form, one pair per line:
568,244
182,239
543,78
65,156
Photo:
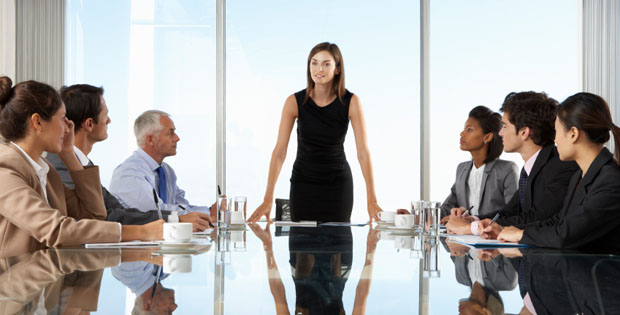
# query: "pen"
466,211
156,281
494,219
156,200
219,191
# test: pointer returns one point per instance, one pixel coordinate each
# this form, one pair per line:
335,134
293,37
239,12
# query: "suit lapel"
461,184
487,169
541,160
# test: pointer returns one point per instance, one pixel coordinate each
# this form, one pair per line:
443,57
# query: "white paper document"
133,244
300,223
476,240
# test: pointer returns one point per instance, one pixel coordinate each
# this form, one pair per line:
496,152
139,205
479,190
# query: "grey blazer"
116,211
499,185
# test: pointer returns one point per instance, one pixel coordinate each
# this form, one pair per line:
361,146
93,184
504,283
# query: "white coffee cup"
403,242
386,235
387,216
177,263
404,220
236,217
178,232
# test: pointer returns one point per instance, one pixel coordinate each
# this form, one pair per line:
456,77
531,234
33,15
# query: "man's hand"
200,221
510,234
488,230
458,225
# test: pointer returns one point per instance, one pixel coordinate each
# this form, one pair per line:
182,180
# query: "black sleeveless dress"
321,184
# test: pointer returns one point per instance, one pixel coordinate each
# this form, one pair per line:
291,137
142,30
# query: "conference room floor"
313,270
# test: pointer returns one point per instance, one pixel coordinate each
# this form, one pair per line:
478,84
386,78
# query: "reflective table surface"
262,269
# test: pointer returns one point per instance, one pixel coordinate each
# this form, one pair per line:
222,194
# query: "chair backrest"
283,210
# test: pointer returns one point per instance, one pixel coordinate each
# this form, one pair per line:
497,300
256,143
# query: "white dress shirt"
474,183
40,167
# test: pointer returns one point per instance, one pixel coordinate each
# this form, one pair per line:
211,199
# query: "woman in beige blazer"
36,210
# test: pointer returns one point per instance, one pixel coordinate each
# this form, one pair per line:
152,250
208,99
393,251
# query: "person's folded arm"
589,222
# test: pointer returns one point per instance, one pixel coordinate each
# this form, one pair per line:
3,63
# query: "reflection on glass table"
322,270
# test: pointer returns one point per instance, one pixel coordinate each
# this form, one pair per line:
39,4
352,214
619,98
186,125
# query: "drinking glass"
223,212
241,205
431,217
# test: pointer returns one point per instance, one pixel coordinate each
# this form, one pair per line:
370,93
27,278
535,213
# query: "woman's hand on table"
263,210
373,211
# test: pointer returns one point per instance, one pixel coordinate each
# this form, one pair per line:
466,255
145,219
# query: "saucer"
176,244
385,222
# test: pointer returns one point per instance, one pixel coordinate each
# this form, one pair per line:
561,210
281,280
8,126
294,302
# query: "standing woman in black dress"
321,184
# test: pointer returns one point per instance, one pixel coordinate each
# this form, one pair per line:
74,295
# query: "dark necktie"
522,186
162,183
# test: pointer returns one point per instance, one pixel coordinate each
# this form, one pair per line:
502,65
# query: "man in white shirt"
87,108
144,172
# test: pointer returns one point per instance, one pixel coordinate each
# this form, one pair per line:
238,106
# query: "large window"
480,52
150,55
267,47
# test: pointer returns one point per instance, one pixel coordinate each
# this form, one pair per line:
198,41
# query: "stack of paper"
477,241
300,223
132,244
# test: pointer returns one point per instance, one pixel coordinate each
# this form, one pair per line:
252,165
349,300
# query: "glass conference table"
318,270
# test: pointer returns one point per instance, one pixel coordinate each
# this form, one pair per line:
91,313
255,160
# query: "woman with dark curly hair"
484,184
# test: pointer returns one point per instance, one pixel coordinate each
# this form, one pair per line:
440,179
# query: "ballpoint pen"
219,191
158,274
466,211
156,200
494,219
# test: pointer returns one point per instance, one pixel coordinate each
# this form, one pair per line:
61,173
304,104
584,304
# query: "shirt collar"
149,160
529,164
40,167
81,156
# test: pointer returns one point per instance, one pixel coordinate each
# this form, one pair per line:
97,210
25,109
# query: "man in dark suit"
87,108
528,129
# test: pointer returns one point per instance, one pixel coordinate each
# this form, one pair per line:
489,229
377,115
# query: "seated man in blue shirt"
145,171
87,108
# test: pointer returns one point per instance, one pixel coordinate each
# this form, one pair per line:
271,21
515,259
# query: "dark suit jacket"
545,190
573,284
590,218
116,211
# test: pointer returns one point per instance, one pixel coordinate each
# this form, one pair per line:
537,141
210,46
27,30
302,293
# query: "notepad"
132,244
343,224
477,241
300,223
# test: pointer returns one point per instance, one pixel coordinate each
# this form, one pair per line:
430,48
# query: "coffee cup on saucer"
387,216
403,242
404,220
177,263
178,232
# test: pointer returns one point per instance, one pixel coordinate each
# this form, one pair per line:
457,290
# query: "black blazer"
590,218
545,190
116,211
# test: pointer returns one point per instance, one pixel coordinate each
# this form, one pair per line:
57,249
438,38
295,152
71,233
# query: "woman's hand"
263,210
153,231
263,235
373,211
